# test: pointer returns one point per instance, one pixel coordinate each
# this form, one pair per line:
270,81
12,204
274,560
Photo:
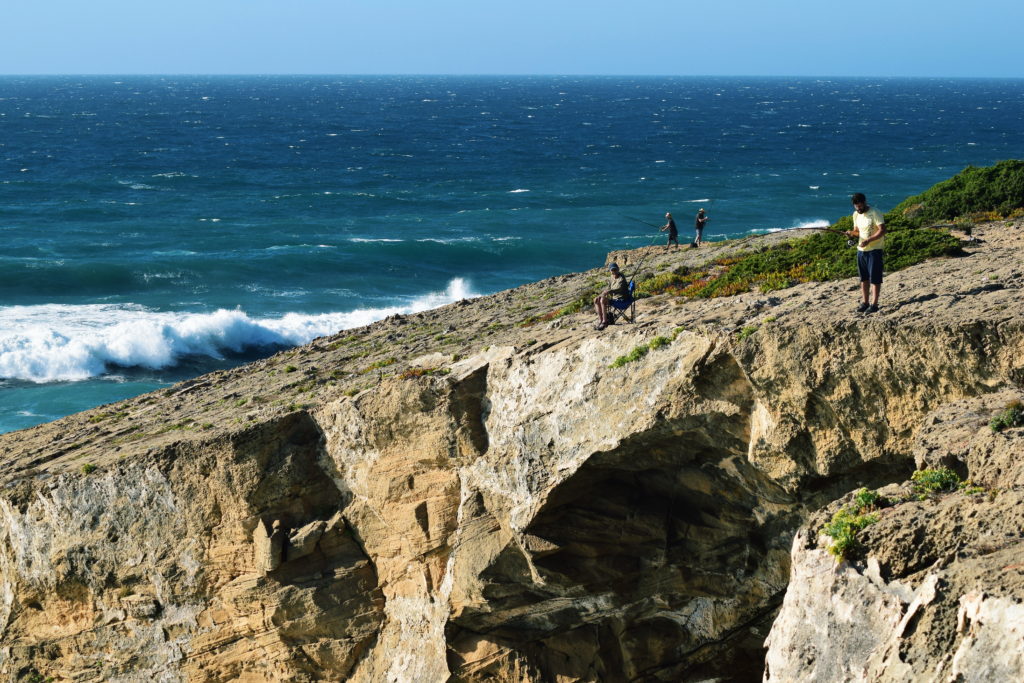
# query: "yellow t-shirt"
866,223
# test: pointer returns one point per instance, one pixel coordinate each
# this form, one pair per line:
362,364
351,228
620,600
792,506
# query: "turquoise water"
158,227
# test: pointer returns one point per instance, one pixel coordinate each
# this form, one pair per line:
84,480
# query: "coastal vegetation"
932,482
985,193
848,521
640,351
843,530
1011,416
918,229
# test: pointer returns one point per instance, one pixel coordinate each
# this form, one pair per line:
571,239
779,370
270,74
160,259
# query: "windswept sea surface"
154,228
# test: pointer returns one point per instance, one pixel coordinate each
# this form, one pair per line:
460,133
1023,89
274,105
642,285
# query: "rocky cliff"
938,591
455,496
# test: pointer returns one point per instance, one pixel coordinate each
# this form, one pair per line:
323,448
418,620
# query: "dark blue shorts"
869,266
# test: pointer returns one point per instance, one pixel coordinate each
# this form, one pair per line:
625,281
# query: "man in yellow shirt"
869,230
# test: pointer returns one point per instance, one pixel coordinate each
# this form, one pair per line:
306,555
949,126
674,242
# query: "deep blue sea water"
154,228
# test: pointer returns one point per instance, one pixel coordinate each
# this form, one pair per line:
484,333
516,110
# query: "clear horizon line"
488,75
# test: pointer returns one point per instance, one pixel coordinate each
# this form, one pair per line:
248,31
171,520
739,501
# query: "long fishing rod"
644,222
818,228
648,254
851,242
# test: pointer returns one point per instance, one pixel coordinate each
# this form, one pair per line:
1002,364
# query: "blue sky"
713,37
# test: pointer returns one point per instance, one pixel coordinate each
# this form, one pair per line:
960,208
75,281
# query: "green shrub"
974,190
866,499
843,529
980,193
964,224
642,350
636,354
747,331
100,417
774,281
88,468
665,282
849,520
909,247
658,342
969,488
33,676
1012,416
930,482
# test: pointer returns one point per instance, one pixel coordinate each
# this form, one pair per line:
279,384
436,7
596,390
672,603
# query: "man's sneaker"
873,308
863,308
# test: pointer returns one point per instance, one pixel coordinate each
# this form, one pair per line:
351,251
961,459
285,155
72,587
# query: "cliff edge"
476,493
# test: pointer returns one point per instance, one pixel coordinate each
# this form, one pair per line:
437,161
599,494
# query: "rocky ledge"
456,496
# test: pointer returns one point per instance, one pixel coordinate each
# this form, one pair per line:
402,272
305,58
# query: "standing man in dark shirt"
698,223
673,233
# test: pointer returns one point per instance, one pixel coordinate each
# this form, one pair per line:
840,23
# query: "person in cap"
869,230
617,289
698,224
673,232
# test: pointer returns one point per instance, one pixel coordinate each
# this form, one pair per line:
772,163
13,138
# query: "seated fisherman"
618,289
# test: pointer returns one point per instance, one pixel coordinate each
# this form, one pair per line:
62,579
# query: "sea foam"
57,342
803,225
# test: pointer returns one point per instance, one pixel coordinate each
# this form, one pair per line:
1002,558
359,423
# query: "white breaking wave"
517,191
814,223
695,201
57,342
450,240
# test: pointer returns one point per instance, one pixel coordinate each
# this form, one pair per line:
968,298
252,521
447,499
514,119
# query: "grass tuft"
1011,416
642,350
747,331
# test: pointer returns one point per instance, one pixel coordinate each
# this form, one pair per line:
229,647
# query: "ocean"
155,228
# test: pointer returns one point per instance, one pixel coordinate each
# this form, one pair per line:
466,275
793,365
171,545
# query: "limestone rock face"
534,510
938,594
163,568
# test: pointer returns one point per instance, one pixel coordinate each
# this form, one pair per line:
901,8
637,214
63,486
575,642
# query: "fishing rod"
646,256
814,227
850,242
644,222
